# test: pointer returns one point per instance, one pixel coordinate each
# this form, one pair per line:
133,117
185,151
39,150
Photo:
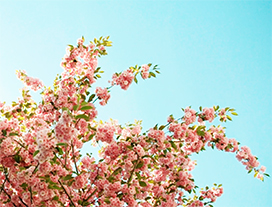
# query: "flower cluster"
144,71
64,129
102,94
124,79
34,83
208,114
40,160
44,145
212,194
190,115
247,158
105,133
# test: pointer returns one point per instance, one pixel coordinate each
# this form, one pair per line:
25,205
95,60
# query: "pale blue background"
209,53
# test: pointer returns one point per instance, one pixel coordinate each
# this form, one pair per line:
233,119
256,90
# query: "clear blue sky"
209,53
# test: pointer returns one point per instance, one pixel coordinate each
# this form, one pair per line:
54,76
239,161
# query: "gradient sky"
209,53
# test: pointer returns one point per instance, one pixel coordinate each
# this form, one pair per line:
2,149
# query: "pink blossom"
263,169
124,79
102,94
34,83
208,114
190,115
101,47
80,41
144,71
105,133
40,144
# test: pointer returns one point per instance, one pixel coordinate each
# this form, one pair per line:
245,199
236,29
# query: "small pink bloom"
263,169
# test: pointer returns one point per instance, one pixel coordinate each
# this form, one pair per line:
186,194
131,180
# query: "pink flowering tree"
40,159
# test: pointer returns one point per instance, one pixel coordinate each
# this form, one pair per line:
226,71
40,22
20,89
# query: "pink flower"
105,133
144,71
190,115
124,79
80,41
102,94
101,47
170,119
208,114
34,83
263,169
136,130
157,134
222,112
113,150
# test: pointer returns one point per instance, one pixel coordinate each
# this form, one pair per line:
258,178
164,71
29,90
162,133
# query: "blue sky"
209,53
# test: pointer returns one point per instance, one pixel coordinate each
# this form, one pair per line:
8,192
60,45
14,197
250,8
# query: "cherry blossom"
40,159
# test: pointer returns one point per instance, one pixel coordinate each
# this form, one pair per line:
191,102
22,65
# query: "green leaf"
13,134
256,173
161,127
85,203
91,136
70,182
61,144
35,153
83,97
140,164
200,131
75,107
173,145
24,186
65,109
84,103
17,158
142,184
107,200
135,80
234,113
152,74
55,198
84,108
4,132
91,97
229,118
83,116
129,147
117,171
67,177
138,175
59,150
54,187
111,179
266,174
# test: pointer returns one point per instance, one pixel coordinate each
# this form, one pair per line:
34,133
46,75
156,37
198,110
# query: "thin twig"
66,193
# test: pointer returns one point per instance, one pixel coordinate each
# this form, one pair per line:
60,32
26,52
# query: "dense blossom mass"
40,160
